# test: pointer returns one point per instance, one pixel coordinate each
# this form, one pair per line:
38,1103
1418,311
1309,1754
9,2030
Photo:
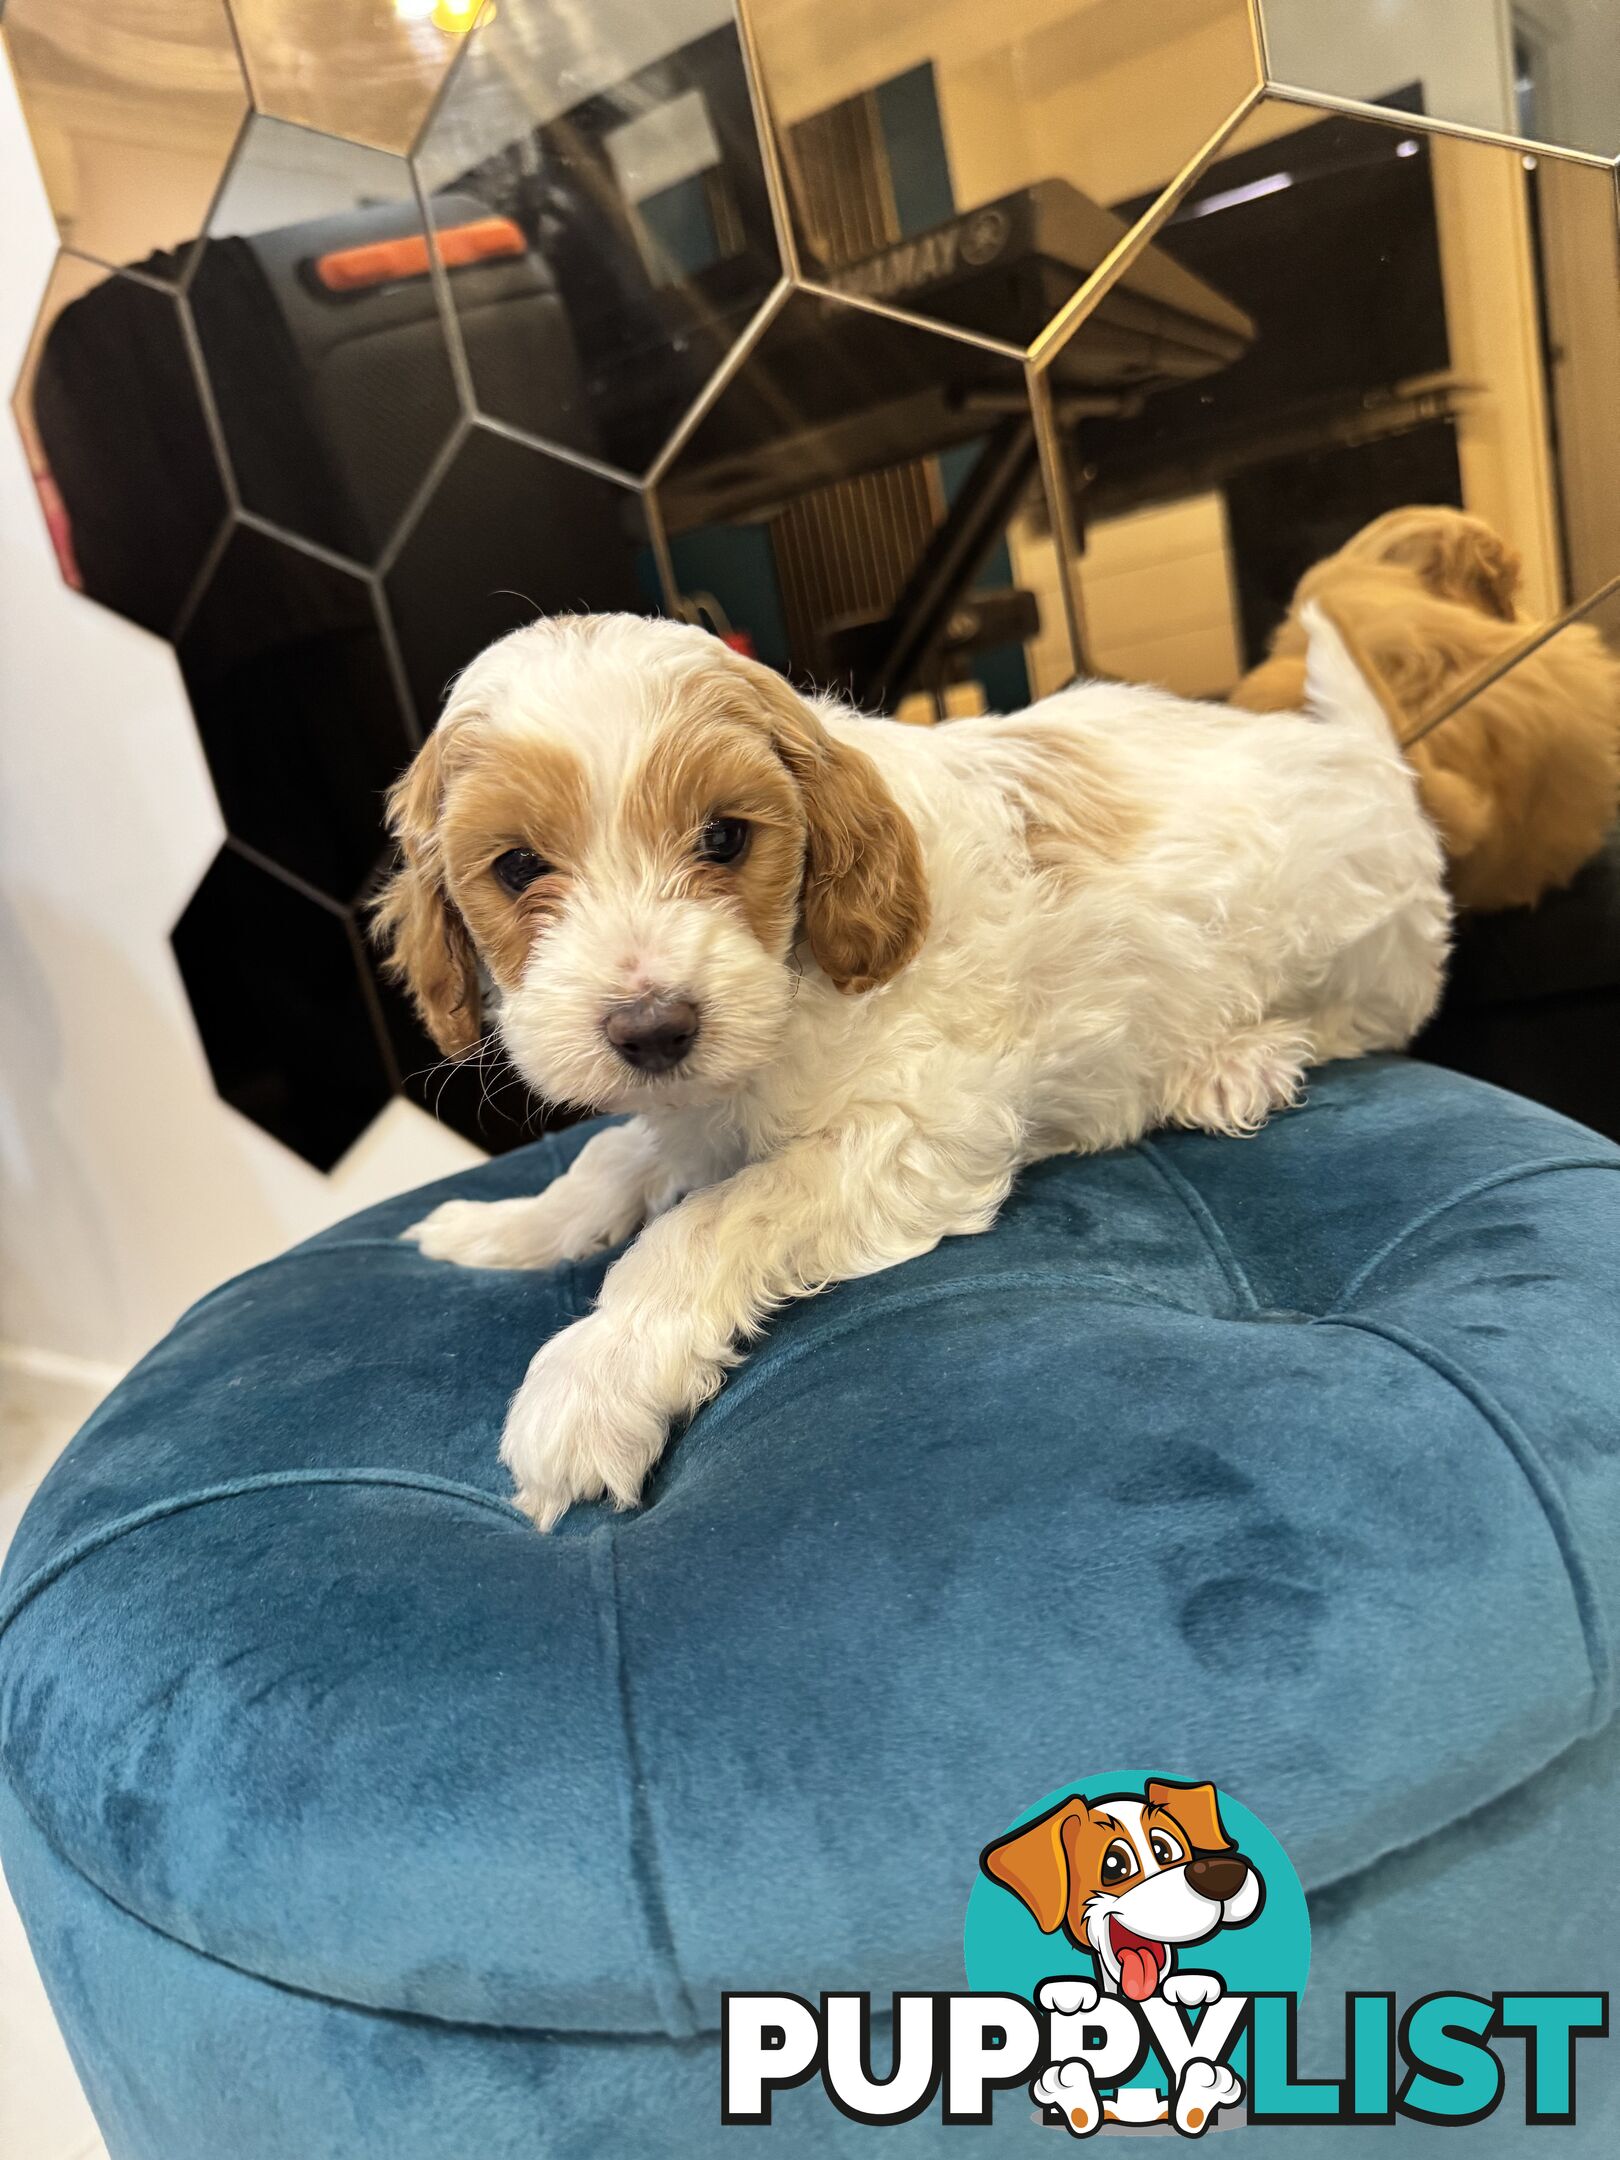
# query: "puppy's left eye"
723,839
1118,1864
518,868
1165,1849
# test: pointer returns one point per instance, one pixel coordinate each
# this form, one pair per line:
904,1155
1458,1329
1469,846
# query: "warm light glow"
414,10
456,16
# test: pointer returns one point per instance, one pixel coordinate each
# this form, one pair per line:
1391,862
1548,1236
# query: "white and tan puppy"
850,976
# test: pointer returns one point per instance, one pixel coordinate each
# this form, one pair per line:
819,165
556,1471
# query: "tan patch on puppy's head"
710,767
864,900
1454,555
472,794
514,790
1194,1810
425,941
1054,1864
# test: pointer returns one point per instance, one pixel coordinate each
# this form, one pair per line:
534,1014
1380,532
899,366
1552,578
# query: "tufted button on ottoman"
350,1817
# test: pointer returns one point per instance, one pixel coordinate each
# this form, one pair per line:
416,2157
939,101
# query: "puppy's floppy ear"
425,941
865,897
1486,571
1196,1809
1033,1863
1454,555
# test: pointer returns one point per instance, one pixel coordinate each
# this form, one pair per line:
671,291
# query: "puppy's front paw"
536,1231
1069,2087
474,1233
1205,2088
579,1428
1191,1990
1067,1998
1258,1071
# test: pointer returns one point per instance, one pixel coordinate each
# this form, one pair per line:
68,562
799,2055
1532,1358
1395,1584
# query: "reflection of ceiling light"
1530,164
414,10
1229,198
1409,148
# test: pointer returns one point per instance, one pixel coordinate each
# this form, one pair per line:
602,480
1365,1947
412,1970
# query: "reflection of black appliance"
1007,268
329,364
833,391
1327,237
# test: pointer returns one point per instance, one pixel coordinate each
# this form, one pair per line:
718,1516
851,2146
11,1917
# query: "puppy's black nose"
652,1033
1218,1875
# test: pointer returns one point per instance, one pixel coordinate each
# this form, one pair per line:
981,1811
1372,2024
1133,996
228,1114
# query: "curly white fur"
1258,895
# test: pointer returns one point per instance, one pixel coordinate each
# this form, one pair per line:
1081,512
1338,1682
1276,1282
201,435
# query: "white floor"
43,2114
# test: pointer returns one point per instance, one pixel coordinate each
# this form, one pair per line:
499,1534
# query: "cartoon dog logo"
1134,1878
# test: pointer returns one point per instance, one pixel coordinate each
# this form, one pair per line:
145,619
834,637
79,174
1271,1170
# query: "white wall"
1460,50
126,1187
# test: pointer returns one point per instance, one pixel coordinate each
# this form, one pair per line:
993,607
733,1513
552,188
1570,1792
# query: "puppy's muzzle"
652,1034
1219,1876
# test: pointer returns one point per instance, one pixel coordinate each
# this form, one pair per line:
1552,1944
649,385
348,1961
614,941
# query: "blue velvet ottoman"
349,1817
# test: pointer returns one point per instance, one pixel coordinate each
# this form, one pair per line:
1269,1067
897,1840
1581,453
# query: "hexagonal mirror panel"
969,163
1547,70
112,423
133,109
1528,1002
318,315
861,508
1435,329
300,720
509,533
595,179
283,1003
363,69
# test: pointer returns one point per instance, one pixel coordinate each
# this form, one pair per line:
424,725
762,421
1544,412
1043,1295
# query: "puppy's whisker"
445,1069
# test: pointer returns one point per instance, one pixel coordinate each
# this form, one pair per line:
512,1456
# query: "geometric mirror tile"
1430,321
133,107
1549,71
364,69
968,163
1529,999
509,533
113,428
297,710
322,336
595,181
277,985
442,283
857,506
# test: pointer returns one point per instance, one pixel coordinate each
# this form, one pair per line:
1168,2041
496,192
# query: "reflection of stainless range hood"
1006,268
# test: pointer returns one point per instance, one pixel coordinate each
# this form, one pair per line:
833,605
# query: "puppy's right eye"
518,868
1118,1863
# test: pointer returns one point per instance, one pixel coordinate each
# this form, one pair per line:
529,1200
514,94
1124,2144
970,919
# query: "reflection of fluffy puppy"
1522,783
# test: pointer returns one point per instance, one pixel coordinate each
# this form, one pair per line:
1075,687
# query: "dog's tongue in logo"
1140,1961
